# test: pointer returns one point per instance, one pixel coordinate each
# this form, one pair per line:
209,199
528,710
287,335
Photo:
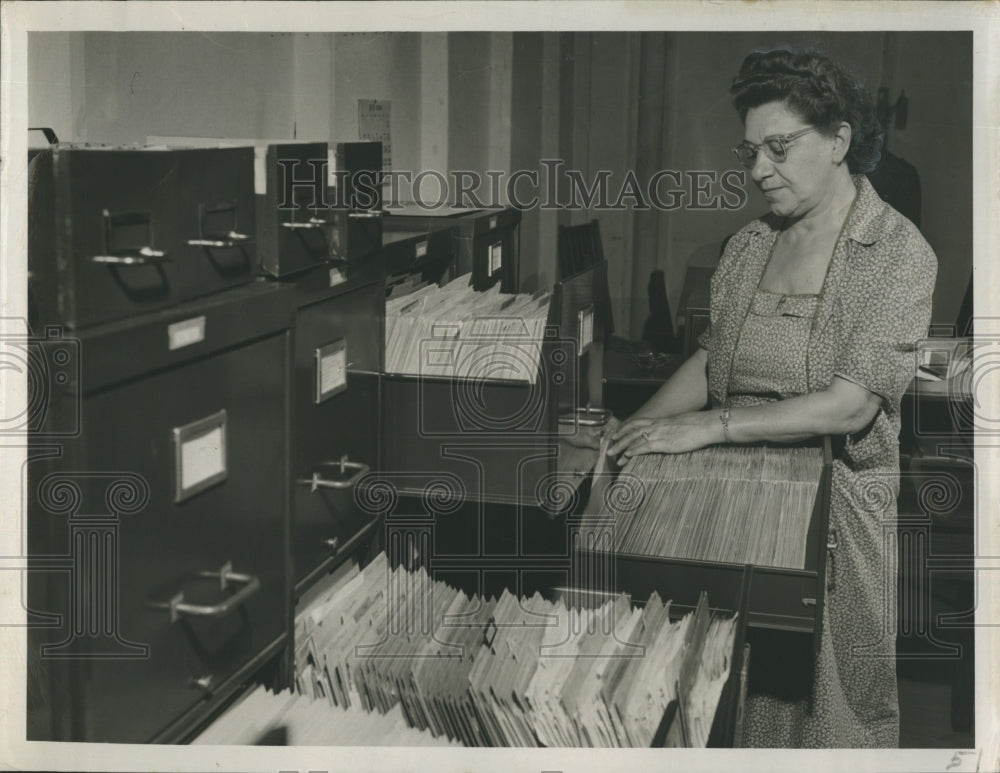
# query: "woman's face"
795,186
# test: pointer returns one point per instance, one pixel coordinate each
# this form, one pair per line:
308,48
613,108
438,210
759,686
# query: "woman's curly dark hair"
822,92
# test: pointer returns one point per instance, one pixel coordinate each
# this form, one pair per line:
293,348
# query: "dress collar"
867,221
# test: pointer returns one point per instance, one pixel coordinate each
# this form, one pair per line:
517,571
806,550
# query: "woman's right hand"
623,429
591,437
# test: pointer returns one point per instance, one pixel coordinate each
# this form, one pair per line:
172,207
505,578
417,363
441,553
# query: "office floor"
925,714
936,689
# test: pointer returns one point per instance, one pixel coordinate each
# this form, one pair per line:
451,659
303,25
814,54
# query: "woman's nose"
762,167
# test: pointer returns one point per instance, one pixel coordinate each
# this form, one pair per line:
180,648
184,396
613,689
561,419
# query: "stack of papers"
291,719
456,332
512,671
736,504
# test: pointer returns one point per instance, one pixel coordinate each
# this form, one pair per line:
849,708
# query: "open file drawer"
158,539
725,595
779,598
499,439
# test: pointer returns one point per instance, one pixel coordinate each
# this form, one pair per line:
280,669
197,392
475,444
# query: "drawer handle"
311,223
144,256
230,240
178,608
203,683
317,481
365,214
332,542
808,602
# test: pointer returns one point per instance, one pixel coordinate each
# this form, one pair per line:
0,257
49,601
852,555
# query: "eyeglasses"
775,147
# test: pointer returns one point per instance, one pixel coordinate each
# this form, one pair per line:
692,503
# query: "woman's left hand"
673,435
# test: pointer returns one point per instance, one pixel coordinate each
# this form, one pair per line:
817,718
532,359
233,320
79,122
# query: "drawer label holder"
200,460
331,370
190,331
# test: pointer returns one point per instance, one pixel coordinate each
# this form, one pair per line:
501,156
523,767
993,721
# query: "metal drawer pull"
145,256
226,575
231,239
808,602
313,222
203,683
368,213
332,542
318,481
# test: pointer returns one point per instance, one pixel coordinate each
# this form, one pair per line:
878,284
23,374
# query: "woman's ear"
841,142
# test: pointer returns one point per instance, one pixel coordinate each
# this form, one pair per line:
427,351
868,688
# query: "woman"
815,312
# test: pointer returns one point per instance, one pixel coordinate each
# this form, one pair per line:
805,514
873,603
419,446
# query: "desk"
631,377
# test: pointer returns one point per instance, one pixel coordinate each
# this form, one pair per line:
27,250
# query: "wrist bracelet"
724,418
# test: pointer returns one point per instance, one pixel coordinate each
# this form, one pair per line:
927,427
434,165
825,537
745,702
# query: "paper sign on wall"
373,126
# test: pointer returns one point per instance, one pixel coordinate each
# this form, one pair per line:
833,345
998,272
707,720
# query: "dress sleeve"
721,285
879,348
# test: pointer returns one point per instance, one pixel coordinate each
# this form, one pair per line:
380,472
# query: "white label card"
337,277
202,457
186,333
260,169
586,327
421,249
496,258
331,370
199,455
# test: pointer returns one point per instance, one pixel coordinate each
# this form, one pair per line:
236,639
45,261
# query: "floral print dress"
874,306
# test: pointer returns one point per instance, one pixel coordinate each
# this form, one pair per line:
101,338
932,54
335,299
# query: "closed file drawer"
165,521
337,390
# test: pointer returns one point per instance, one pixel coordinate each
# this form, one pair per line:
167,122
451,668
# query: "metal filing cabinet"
356,217
428,252
338,359
324,243
119,232
499,438
305,222
159,537
487,241
216,218
102,234
294,214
